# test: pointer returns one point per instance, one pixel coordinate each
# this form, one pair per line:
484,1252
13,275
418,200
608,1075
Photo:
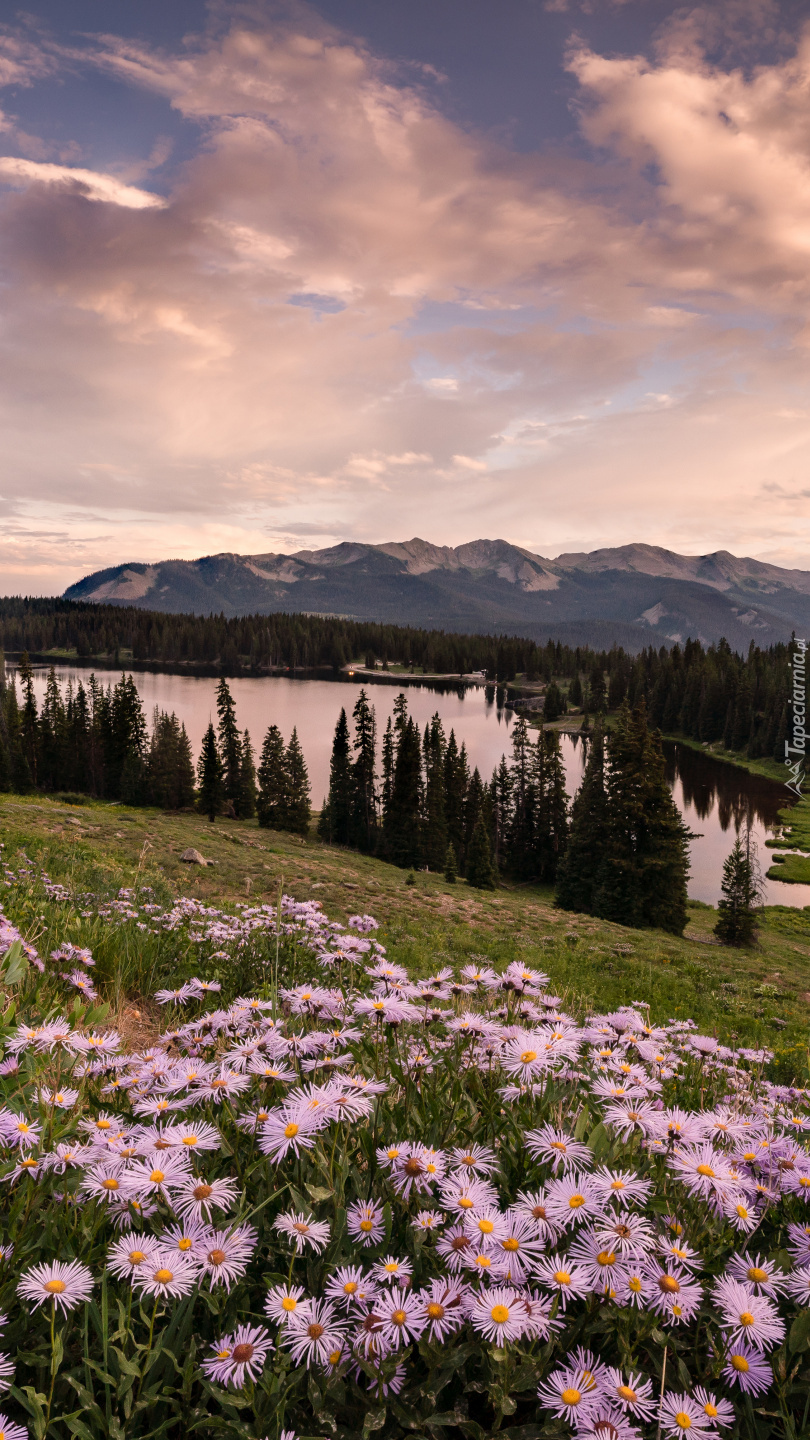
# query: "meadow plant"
351,1202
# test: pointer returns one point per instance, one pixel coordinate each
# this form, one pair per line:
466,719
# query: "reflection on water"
715,799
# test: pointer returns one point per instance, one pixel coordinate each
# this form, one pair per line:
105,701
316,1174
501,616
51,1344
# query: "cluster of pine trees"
424,808
93,740
627,858
228,782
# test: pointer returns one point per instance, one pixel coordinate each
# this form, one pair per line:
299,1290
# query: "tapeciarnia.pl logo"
795,746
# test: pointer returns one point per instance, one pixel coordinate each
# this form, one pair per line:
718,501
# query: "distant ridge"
633,595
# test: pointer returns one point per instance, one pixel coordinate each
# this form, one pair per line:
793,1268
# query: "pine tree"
271,803
29,720
434,821
645,863
297,813
170,767
554,702
551,820
210,792
364,776
742,893
520,838
456,780
403,817
480,870
246,807
334,824
450,865
578,871
230,746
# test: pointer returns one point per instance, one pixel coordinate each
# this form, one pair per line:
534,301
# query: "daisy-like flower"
620,1185
558,1149
560,1275
187,1238
799,1243
223,1085
128,1254
402,1317
717,1412
460,1195
703,1170
365,1222
443,1308
674,1293
741,1212
474,1160
485,1226
606,1423
391,1271
525,1059
534,1206
497,1315
488,1264
167,1274
750,1319
10,1431
67,1284
748,1370
350,1287
288,1131
284,1301
453,1247
632,1393
627,1233
628,1116
519,1245
161,1174
573,1200
17,1129
199,1197
225,1254
569,1394
194,1136
316,1336
597,1260
798,1285
681,1415
411,1171
760,1274
428,1220
302,1230
239,1356
60,1099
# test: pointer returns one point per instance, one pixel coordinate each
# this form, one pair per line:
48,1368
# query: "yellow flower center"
350,1288
625,1392
500,1314
710,1410
705,1170
110,1183
290,1131
562,1277
435,1310
486,1227
163,1277
511,1244
576,1201
669,1285
184,1244
366,1226
683,1421
571,1396
746,1318
527,1056
399,1317
157,1177
634,1285
740,1364
55,1287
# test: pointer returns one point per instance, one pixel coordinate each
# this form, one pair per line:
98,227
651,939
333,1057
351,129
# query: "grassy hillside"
760,997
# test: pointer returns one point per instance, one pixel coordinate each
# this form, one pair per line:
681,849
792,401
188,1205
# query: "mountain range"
633,595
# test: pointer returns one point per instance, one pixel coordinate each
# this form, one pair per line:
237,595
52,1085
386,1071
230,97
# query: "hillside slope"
632,595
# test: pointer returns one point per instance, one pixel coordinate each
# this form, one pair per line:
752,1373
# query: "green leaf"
319,1193
15,965
799,1338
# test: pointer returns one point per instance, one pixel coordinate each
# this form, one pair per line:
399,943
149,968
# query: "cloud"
89,183
240,356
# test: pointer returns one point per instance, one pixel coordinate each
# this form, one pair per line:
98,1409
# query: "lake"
715,799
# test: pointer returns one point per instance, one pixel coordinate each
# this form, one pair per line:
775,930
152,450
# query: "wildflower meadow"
347,1202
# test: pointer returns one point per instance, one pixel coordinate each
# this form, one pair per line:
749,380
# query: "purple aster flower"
66,1284
747,1369
239,1357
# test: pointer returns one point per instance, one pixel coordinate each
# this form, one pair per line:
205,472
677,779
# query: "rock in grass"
193,857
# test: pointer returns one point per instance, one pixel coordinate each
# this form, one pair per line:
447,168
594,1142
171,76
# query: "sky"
278,275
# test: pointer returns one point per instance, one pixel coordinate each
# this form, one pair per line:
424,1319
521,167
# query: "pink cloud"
252,359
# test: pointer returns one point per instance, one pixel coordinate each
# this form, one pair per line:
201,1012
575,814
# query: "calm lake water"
715,799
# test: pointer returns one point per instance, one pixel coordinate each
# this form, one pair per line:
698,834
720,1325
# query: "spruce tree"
29,719
271,802
451,865
553,702
742,893
551,820
363,820
297,812
334,824
209,776
403,816
246,807
480,870
456,780
434,821
645,863
578,870
230,746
